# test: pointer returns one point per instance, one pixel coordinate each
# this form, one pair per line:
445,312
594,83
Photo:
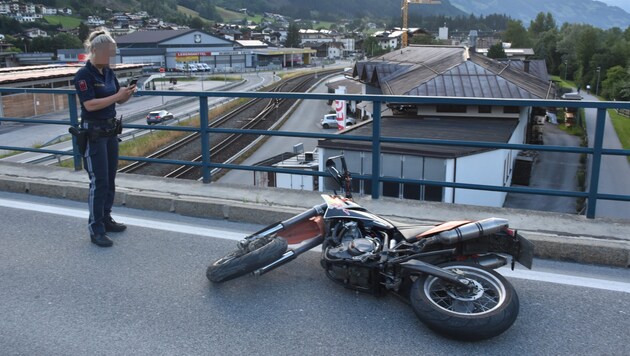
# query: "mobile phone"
132,82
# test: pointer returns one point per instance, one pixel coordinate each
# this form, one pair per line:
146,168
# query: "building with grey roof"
167,48
443,71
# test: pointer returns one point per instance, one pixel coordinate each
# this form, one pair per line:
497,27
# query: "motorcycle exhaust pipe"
471,231
492,261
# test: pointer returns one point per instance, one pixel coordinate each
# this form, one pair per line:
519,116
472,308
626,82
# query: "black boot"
101,240
112,226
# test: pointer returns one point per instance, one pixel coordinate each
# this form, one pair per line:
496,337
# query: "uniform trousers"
101,162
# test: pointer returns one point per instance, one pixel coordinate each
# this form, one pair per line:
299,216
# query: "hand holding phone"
132,82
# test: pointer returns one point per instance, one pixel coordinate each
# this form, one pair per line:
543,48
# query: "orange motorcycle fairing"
449,225
303,230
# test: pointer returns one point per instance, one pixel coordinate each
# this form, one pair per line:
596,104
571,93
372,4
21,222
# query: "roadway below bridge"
148,295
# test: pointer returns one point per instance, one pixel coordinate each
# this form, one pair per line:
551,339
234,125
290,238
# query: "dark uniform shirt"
91,84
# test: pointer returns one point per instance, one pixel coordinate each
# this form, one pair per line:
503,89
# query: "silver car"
330,120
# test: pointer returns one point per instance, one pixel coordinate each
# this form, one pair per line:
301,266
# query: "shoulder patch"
82,85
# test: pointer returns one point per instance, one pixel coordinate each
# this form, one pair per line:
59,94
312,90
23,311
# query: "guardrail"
592,195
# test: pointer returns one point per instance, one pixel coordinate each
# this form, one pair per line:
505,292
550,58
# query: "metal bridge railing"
597,151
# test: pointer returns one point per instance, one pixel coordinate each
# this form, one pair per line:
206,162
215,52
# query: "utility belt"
94,132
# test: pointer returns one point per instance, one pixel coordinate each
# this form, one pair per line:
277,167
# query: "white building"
454,72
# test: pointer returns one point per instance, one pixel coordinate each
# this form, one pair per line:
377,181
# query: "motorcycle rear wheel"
481,312
239,263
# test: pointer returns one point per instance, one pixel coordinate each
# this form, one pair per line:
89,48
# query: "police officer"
99,91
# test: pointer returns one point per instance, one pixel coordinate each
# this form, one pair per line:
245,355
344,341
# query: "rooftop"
14,75
449,71
437,128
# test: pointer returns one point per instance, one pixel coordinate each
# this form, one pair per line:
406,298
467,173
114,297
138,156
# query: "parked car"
204,66
192,67
156,117
571,96
330,120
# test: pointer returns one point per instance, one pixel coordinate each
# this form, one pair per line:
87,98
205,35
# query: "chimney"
526,66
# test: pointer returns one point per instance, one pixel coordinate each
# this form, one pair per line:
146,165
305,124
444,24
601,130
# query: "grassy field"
187,11
563,83
622,127
67,22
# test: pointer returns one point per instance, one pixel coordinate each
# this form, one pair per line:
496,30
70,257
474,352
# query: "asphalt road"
551,170
615,170
148,295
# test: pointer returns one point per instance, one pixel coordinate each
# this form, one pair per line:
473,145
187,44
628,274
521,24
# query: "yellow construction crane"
405,12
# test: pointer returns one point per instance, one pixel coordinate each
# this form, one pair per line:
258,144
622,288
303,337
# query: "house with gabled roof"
443,71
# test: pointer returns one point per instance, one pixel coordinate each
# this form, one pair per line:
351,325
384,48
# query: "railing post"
74,121
376,148
205,140
597,162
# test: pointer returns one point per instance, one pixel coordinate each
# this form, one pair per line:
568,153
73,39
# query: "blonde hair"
95,39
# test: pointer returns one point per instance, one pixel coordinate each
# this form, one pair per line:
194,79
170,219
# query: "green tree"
196,23
372,48
542,23
617,79
65,41
422,39
293,36
84,32
516,34
496,51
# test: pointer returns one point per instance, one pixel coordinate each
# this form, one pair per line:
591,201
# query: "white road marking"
227,234
148,223
566,279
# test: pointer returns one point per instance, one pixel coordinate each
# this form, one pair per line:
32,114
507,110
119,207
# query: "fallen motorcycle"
446,271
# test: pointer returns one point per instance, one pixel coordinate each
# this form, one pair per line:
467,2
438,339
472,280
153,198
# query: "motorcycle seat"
413,232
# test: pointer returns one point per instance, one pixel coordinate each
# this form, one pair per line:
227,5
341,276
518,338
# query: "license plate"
525,251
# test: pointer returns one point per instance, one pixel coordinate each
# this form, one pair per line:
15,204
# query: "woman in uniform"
99,92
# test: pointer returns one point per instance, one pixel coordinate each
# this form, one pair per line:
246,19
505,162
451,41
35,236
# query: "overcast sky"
624,4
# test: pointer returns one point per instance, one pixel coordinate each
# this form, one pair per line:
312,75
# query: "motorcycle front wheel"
484,310
259,253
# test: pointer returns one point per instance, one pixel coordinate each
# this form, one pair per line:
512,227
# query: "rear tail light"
511,232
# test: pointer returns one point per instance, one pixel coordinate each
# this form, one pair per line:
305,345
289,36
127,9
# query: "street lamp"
599,69
566,67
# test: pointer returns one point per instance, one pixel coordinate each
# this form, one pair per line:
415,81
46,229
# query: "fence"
376,139
624,112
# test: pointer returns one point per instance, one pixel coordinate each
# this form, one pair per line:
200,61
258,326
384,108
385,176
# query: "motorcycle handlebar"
342,178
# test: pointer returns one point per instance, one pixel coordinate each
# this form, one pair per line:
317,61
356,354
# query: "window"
391,189
411,191
485,109
433,193
451,108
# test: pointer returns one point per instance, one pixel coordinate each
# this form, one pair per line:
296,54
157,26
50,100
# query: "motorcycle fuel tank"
344,208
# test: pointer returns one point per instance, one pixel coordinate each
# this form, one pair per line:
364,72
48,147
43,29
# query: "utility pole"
599,69
405,13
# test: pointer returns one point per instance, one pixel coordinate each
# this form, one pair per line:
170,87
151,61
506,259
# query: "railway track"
260,114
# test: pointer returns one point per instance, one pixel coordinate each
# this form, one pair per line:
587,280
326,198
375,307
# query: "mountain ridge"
592,12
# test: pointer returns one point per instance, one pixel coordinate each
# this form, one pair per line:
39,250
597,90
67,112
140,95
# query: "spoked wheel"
485,309
255,255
